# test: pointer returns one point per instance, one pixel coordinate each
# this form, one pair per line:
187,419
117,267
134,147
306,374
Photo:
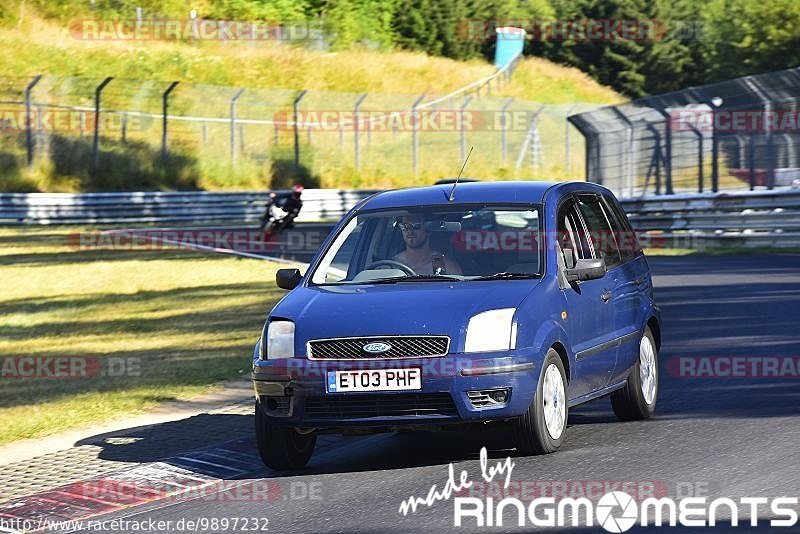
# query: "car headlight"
280,340
491,330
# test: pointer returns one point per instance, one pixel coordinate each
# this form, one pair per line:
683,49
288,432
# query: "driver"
418,254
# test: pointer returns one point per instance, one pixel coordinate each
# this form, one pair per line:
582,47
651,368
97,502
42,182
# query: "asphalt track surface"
713,437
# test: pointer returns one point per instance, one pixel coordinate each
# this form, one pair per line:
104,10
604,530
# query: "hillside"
45,46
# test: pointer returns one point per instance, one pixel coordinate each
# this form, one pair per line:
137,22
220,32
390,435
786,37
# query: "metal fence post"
415,135
627,156
233,125
700,159
356,147
714,159
566,142
463,135
668,160
655,160
713,104
504,129
768,135
532,141
96,142
164,121
28,129
124,133
751,159
667,146
295,119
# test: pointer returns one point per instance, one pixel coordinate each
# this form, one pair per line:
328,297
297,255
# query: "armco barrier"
748,219
165,207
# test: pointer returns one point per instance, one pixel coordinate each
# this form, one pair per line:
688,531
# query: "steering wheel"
392,263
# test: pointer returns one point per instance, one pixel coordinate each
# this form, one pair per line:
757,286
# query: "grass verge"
181,321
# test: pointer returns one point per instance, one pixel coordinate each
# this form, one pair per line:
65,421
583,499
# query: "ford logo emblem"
376,348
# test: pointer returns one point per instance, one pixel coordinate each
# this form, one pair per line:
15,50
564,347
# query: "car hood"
406,308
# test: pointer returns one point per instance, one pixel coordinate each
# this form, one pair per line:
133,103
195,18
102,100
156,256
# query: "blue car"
503,303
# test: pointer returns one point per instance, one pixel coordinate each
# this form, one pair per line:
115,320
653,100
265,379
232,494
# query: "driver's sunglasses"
410,226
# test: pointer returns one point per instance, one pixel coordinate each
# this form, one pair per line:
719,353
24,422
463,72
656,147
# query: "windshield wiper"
506,276
413,278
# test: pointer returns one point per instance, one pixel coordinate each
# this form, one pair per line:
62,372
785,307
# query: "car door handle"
605,295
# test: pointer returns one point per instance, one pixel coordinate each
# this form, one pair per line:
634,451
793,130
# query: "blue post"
510,41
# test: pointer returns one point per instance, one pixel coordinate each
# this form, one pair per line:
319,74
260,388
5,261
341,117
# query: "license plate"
377,380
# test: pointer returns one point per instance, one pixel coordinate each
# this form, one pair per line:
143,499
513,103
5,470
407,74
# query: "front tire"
282,447
637,400
542,428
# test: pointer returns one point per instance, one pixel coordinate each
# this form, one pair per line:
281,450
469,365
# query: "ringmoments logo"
615,511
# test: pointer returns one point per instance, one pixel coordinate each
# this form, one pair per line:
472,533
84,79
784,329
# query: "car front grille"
352,348
362,405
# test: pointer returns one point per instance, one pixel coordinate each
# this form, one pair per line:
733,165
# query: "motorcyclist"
290,205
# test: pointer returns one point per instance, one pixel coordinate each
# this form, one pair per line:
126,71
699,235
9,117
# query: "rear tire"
282,447
542,428
637,400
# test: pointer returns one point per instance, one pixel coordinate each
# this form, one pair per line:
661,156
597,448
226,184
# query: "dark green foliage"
695,42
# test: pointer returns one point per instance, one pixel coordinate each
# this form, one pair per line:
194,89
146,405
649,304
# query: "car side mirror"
288,278
586,270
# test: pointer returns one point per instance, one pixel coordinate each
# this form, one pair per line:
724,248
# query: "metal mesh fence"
121,134
737,134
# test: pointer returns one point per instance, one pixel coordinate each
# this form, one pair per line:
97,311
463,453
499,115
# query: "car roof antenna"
451,196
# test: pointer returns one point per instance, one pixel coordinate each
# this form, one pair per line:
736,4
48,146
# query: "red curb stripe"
103,489
92,503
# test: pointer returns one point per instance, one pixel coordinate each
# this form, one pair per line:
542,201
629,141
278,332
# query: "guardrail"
748,219
751,219
165,207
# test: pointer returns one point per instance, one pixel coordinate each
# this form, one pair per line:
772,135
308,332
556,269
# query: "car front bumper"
293,391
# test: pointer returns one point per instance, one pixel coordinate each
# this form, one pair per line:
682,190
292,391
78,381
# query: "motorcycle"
274,222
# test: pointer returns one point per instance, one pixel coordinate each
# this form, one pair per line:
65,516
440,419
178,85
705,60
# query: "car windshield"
438,243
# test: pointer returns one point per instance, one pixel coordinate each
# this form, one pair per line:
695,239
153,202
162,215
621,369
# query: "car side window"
626,238
573,244
601,237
